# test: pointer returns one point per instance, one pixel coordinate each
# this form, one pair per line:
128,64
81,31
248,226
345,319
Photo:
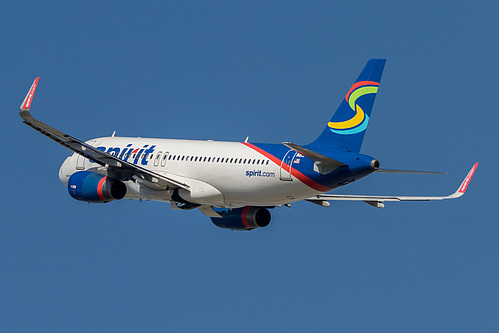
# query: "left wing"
377,200
117,168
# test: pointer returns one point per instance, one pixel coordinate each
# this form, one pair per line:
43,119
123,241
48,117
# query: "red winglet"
466,181
29,97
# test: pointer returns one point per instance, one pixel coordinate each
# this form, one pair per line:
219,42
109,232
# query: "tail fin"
349,122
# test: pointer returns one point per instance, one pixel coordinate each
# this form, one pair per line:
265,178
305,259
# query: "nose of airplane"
64,172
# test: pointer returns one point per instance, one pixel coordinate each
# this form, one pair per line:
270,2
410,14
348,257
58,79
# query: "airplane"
233,183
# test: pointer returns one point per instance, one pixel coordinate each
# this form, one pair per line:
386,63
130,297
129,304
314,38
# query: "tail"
349,122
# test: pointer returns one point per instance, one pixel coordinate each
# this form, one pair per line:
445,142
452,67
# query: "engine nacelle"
246,218
93,187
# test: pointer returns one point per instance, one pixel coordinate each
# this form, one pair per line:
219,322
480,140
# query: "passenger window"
165,157
156,160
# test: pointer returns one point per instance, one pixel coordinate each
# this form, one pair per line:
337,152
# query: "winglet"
466,181
29,97
464,185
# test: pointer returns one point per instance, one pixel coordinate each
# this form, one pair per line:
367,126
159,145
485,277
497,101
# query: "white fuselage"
222,174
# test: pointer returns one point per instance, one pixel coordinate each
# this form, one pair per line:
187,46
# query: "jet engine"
93,187
246,218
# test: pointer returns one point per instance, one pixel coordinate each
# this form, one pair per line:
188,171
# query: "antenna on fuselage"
247,138
113,134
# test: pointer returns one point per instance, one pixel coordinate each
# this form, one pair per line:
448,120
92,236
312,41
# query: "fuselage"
222,174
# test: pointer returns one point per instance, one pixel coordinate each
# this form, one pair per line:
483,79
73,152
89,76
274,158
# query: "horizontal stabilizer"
323,164
410,172
377,200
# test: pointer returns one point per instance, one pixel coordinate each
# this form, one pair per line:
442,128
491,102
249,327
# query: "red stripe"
358,84
300,176
243,217
263,152
99,188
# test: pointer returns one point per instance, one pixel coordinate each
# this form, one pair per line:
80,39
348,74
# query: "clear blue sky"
276,71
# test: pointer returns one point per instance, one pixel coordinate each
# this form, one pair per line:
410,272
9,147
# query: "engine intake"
93,187
246,218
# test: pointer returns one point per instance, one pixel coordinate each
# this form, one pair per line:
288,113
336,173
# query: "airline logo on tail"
359,121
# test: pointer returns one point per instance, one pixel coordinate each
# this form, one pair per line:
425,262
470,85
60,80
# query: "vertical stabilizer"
349,123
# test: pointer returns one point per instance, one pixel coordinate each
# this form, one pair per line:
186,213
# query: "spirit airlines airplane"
234,183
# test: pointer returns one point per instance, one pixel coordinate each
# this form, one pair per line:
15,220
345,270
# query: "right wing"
377,200
117,168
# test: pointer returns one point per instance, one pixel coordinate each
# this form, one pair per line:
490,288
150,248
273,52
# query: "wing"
377,200
117,168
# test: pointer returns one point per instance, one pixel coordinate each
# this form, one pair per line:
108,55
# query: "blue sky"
274,71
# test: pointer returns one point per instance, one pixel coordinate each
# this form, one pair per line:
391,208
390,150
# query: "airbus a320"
234,183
